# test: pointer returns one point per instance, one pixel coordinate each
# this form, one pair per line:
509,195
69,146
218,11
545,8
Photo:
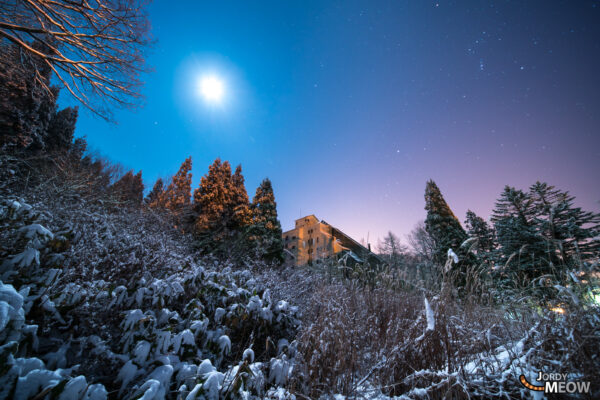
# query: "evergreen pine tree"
265,230
155,198
78,149
442,224
222,209
26,107
479,229
213,199
521,253
129,189
177,195
568,230
137,189
242,215
61,129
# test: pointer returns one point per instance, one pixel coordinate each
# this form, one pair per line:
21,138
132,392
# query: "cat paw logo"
555,383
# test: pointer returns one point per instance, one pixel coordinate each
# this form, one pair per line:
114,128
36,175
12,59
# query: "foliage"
264,233
377,342
446,232
177,195
28,111
129,189
223,210
480,230
441,223
569,231
155,198
542,237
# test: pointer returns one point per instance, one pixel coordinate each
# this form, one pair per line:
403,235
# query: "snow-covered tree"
442,224
522,249
265,230
480,230
96,48
568,230
213,196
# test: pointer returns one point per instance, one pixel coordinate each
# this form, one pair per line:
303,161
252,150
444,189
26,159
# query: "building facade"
312,240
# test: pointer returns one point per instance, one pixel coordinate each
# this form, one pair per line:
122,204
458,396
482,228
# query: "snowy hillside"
96,305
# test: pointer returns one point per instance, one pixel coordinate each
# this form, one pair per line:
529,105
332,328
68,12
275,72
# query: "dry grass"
360,340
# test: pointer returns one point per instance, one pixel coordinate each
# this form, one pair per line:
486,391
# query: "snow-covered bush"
87,288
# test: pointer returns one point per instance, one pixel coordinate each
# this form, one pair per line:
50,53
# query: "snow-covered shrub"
88,288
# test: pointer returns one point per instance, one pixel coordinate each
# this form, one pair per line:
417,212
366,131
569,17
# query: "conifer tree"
130,188
442,224
213,199
222,209
177,195
521,249
155,198
78,149
242,214
27,101
568,230
137,192
61,129
479,229
28,110
265,231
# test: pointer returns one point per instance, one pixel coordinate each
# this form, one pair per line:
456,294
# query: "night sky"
350,107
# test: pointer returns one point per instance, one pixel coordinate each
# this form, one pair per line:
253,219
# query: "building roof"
311,216
344,240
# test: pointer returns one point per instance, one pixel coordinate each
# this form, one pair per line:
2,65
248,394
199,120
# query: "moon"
212,89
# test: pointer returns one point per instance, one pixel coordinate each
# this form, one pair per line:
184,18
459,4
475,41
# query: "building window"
317,240
293,247
286,237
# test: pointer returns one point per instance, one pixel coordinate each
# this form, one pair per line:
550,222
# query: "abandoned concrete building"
313,240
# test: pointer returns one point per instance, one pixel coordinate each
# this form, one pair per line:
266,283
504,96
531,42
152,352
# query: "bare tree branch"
96,48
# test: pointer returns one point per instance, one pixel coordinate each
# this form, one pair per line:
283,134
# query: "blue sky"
350,107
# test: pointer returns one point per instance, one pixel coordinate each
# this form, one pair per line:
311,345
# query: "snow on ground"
179,328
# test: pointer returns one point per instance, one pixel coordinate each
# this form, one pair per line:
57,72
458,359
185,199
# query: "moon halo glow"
212,89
